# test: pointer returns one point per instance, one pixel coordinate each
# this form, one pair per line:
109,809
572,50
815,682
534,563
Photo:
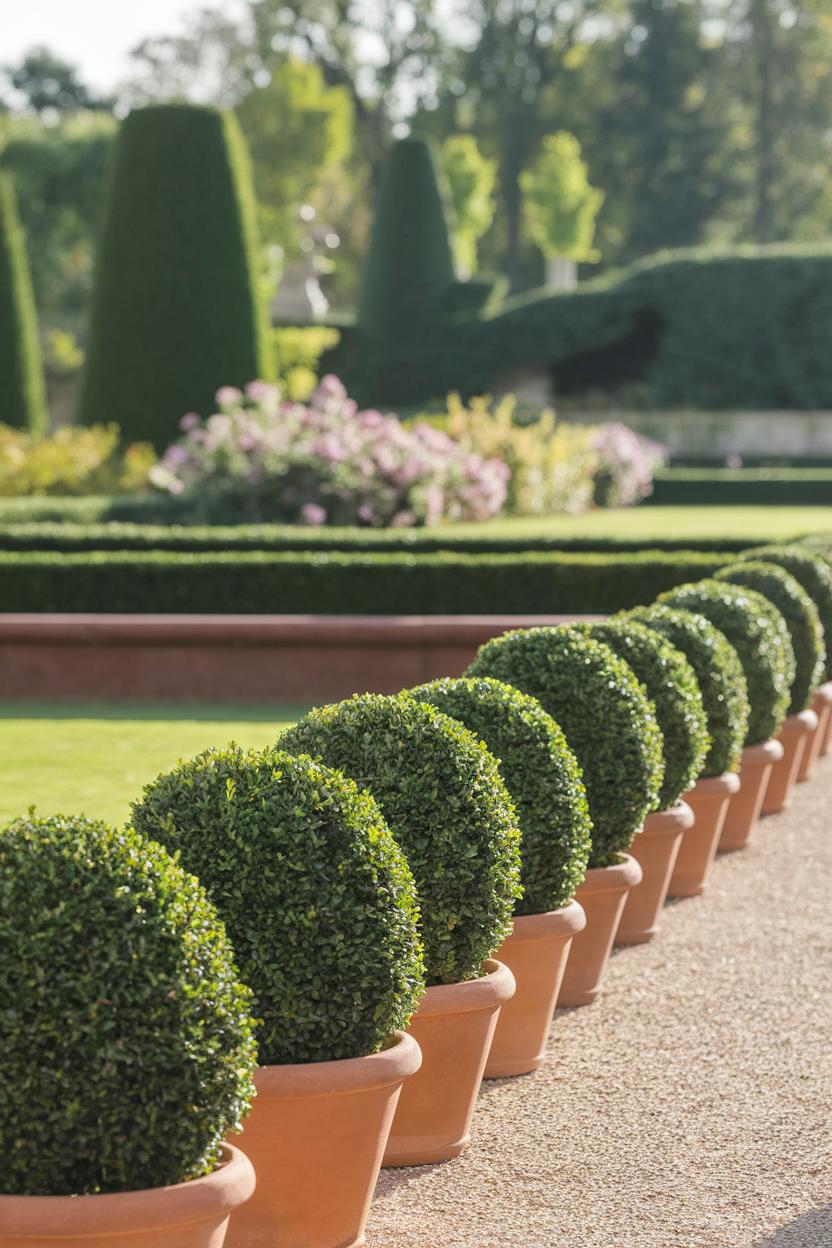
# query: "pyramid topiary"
177,311
23,392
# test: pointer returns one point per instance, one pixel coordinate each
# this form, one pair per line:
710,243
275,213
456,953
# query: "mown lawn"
94,759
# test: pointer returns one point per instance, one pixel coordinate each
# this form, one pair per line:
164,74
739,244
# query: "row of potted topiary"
362,922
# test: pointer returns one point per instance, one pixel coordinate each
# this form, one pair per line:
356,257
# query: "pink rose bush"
263,458
624,465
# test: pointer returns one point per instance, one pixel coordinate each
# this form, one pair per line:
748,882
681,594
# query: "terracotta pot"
189,1215
826,743
822,706
454,1026
794,736
536,954
655,849
603,896
316,1135
709,800
744,808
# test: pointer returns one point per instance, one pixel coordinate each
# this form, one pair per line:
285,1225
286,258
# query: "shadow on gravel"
812,1230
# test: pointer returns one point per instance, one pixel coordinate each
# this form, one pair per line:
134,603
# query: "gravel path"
691,1106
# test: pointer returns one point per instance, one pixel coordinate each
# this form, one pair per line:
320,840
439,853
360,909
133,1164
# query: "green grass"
93,759
647,523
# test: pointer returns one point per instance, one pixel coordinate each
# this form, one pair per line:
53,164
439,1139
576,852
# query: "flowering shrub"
72,461
263,458
625,463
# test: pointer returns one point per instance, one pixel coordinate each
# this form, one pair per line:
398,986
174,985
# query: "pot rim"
763,752
487,991
800,723
668,822
619,875
725,784
213,1196
343,1076
824,692
566,921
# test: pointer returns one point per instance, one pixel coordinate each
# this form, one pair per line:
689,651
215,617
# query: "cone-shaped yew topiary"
815,575
719,675
606,718
541,774
22,386
315,894
127,1042
447,807
178,311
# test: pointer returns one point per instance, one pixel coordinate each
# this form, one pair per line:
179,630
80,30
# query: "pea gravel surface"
691,1105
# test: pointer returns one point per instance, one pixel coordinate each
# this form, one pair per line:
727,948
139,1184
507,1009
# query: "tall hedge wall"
22,387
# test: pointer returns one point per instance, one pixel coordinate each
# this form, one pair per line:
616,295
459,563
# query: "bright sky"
93,34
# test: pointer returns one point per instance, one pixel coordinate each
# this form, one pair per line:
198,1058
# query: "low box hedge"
742,487
332,583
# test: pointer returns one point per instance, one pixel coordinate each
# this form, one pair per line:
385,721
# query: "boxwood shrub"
316,895
541,774
758,633
815,575
802,620
719,675
447,806
605,715
670,683
127,1042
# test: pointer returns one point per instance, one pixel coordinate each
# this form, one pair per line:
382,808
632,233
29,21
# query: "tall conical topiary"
22,388
178,311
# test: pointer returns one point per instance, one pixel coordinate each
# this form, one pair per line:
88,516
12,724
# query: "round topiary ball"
719,675
802,620
447,806
541,774
126,1036
315,893
670,683
758,633
814,574
605,715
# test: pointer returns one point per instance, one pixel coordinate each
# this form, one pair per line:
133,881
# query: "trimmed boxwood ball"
315,893
758,633
786,593
541,774
670,683
719,675
605,716
126,1035
447,806
814,574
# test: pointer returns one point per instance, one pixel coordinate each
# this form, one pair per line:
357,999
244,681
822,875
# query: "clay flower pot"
454,1026
794,736
536,954
655,849
316,1134
709,800
189,1215
826,742
603,896
744,808
822,706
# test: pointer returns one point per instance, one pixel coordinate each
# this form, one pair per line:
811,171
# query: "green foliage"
719,675
542,776
297,353
758,633
785,487
177,310
814,573
561,206
71,461
606,717
127,1043
786,593
447,807
671,685
470,178
317,897
23,391
341,583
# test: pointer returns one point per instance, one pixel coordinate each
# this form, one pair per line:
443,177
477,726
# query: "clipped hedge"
541,774
447,806
802,620
742,487
23,388
257,582
758,633
606,718
808,566
316,895
671,685
127,1042
719,675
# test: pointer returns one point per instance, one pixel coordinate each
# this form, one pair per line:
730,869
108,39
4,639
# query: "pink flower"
228,396
259,391
313,513
188,422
